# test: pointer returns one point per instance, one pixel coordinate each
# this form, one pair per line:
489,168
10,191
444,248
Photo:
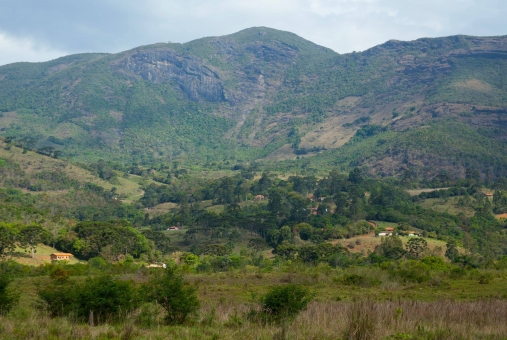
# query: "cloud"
18,50
63,26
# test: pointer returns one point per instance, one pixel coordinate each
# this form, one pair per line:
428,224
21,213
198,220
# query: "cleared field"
367,243
415,192
448,205
32,162
42,253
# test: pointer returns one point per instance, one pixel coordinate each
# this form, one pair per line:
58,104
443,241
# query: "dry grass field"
448,205
32,162
458,310
41,256
367,243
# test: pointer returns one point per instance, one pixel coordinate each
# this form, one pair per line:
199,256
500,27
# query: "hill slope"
262,93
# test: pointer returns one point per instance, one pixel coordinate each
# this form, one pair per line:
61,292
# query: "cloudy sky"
36,30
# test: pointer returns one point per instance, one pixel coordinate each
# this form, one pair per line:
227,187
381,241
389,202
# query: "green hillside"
263,94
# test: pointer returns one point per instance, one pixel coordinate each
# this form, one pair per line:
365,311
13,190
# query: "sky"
36,30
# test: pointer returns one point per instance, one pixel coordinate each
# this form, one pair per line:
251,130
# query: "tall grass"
366,319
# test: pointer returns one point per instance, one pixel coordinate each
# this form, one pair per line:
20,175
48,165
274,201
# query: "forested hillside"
261,94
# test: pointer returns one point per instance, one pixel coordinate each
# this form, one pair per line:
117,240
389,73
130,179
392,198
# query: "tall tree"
32,235
8,237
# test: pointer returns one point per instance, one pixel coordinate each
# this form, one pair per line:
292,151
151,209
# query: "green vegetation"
179,229
95,109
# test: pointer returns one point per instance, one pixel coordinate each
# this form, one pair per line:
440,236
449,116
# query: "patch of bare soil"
416,192
474,84
118,116
282,153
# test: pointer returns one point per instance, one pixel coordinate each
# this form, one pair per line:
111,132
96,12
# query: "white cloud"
343,25
18,50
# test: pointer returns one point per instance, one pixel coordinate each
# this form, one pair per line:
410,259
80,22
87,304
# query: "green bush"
411,271
97,299
176,296
285,302
8,299
360,280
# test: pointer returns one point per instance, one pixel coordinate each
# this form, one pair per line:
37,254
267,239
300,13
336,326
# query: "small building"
173,228
259,197
60,256
489,194
385,234
390,229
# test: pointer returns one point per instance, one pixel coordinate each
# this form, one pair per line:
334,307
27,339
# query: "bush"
98,299
177,297
7,298
411,271
360,281
285,302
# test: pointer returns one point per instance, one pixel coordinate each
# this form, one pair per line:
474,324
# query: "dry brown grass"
473,84
369,241
415,192
364,319
32,162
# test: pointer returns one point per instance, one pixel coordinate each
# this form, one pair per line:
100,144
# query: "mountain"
422,107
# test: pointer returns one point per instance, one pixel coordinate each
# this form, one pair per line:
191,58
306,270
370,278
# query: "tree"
390,247
8,237
341,201
298,211
416,247
215,249
286,235
275,204
452,251
32,235
356,176
178,298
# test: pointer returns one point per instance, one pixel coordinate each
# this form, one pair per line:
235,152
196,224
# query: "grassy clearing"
448,205
415,192
41,255
366,243
32,162
383,224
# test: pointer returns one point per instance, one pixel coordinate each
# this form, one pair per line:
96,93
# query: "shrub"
98,299
177,297
435,263
360,280
411,271
284,303
7,298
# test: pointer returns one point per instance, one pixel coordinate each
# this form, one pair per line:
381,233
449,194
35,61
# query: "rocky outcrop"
199,82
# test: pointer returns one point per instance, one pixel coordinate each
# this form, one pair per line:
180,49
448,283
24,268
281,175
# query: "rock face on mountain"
197,80
267,94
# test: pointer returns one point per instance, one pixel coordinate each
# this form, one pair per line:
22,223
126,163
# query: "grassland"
41,256
32,163
442,309
366,243
448,205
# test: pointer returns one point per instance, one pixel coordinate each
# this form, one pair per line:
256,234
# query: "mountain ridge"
255,94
